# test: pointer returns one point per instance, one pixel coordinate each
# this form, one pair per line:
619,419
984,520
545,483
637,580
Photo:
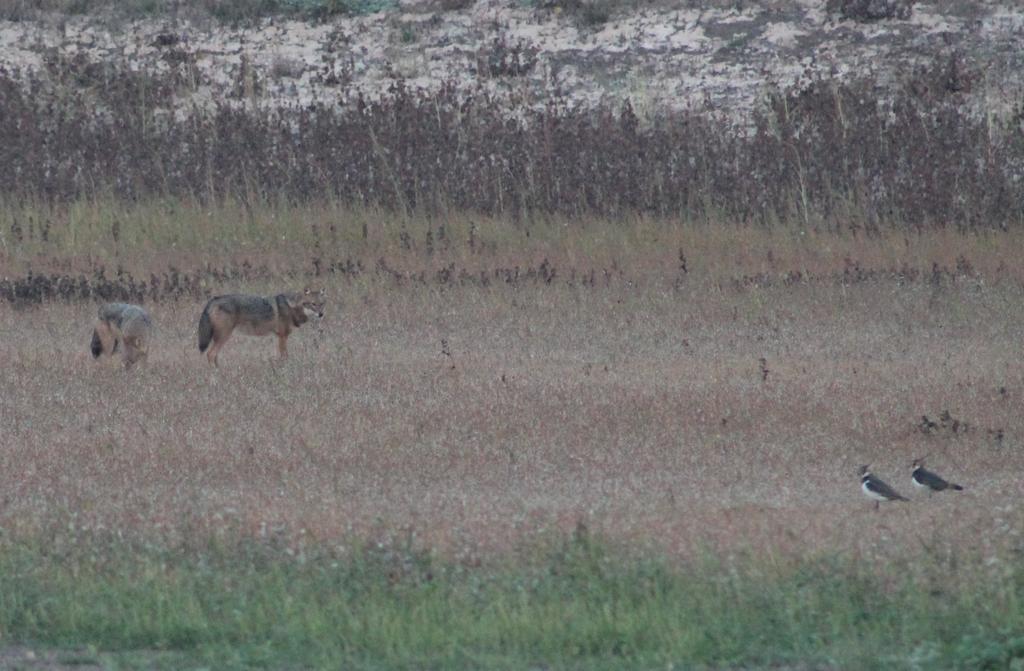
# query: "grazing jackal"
122,325
256,315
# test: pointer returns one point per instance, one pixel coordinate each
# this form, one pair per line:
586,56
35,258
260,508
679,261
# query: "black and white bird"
877,490
925,479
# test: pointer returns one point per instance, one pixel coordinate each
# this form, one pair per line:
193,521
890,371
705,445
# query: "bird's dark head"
864,470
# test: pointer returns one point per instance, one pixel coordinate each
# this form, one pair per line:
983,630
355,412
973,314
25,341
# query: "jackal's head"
310,303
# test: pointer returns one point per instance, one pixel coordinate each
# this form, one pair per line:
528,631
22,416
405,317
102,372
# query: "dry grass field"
428,466
679,417
592,390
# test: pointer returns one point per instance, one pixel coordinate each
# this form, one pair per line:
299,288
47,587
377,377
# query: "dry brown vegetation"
673,333
826,153
723,407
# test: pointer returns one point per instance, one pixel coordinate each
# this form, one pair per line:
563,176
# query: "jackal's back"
131,320
244,307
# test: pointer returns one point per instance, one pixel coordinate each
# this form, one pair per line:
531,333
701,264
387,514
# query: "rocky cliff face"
722,54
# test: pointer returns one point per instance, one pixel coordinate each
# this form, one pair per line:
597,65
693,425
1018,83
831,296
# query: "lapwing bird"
925,479
877,490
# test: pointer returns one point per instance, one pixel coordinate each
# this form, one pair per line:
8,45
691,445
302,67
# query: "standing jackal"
256,315
122,324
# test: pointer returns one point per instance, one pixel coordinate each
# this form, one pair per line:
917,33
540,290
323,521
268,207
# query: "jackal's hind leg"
218,341
134,352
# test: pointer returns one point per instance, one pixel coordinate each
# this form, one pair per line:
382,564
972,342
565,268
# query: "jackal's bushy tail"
205,328
97,345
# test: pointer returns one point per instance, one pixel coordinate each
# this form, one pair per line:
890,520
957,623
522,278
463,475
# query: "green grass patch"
566,604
